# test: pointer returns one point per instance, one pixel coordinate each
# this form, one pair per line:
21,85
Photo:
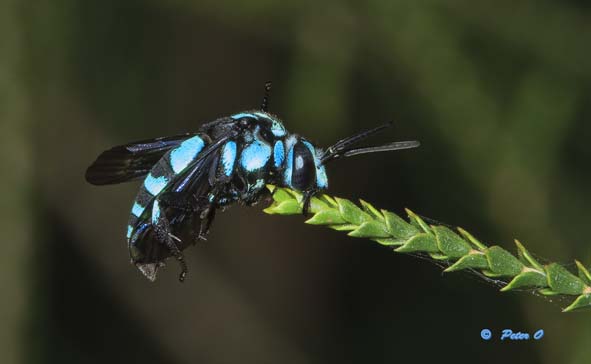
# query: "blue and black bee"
188,177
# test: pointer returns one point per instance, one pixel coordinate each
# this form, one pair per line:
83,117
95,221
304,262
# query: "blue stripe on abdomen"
278,153
229,157
255,155
155,212
155,184
137,209
185,153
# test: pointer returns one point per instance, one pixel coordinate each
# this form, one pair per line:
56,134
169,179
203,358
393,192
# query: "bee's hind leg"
206,219
161,228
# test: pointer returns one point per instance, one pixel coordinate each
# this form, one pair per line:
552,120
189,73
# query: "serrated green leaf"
582,302
317,205
351,213
344,227
418,222
280,194
326,217
583,273
370,229
397,227
526,279
270,210
287,207
472,260
390,241
439,256
548,292
422,242
450,243
526,257
472,239
502,263
329,200
371,210
563,281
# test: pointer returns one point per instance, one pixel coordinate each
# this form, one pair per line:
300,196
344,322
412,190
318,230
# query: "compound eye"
303,176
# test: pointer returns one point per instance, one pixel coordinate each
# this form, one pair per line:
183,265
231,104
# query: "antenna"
343,148
265,103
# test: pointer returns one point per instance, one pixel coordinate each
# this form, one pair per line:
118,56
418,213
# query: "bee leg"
207,217
161,228
178,255
306,201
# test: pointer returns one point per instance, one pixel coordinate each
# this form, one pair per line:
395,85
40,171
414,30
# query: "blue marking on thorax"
155,184
255,155
229,157
321,178
129,231
137,209
276,127
185,153
155,212
278,153
243,115
288,168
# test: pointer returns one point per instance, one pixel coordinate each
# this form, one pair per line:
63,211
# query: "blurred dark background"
498,92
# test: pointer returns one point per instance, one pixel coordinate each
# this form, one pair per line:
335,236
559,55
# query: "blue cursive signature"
510,335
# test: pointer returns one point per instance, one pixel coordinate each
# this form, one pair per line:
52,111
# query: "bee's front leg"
307,197
161,227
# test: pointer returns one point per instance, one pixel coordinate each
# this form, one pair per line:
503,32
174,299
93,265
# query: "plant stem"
460,249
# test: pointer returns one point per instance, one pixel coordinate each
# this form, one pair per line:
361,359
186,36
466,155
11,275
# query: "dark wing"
191,187
199,176
131,161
